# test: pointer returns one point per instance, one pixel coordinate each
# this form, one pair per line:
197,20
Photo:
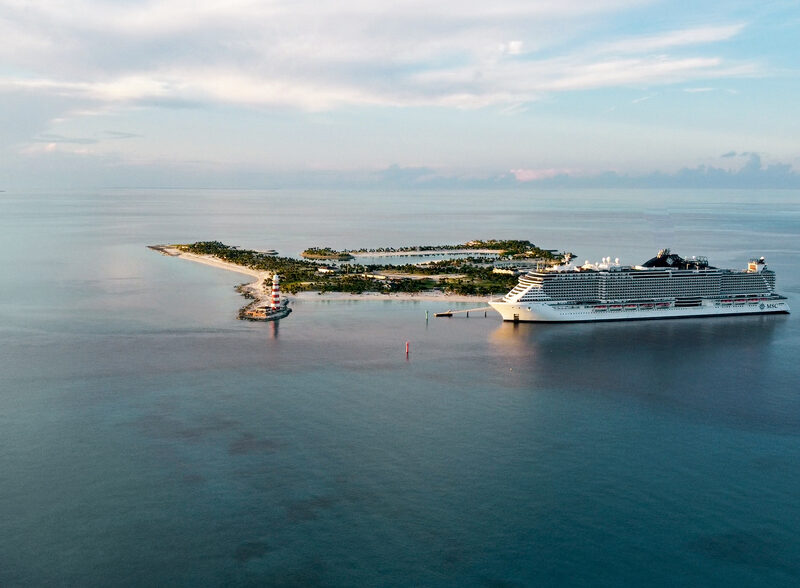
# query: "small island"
483,268
325,253
515,248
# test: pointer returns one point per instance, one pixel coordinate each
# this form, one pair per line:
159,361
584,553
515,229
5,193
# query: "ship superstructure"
666,286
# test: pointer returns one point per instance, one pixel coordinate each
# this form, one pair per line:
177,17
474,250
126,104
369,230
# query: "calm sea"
148,438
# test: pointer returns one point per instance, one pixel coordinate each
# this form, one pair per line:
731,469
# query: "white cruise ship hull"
554,312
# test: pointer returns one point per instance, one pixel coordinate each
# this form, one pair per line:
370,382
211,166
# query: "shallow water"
148,437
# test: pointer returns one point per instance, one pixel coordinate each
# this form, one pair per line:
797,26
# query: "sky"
265,94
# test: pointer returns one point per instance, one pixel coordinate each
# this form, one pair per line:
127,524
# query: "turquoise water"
149,438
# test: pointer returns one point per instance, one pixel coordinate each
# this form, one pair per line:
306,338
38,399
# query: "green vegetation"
466,276
504,247
285,266
513,248
325,253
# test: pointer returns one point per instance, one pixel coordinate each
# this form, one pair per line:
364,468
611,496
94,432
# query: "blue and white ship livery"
666,286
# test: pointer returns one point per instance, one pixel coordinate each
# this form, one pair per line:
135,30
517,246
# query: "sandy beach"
256,288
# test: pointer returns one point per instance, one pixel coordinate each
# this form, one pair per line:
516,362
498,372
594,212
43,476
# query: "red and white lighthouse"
275,303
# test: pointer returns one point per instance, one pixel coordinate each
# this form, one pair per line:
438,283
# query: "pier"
450,313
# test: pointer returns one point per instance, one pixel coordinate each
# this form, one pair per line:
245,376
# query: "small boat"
630,307
615,307
602,307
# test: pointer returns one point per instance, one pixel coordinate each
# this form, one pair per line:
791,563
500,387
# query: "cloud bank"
75,171
268,92
322,55
752,175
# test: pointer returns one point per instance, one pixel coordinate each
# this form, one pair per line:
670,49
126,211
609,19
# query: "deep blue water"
147,437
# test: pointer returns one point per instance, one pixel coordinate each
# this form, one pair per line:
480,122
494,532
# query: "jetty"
168,250
450,313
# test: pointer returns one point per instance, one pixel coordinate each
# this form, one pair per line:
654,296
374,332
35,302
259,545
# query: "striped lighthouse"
276,293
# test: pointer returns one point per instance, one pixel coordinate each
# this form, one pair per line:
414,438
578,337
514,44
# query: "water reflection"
689,335
731,368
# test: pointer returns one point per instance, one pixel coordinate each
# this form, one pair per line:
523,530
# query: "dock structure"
450,313
264,313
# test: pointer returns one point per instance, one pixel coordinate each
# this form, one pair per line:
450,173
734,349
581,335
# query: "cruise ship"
666,286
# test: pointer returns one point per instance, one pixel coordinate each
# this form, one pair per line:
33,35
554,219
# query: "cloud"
324,55
729,154
396,175
531,175
244,79
52,138
752,175
47,166
512,48
672,39
121,135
